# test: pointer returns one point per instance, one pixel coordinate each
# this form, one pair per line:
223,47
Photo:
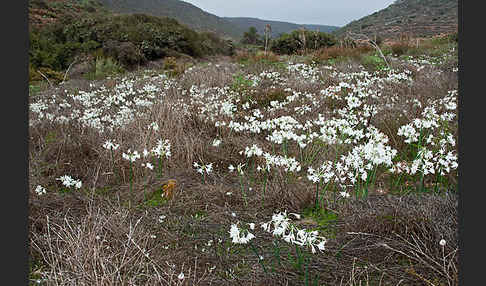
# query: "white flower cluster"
283,228
100,108
289,164
131,156
254,150
40,190
240,236
109,145
70,182
436,152
324,173
162,148
304,70
208,168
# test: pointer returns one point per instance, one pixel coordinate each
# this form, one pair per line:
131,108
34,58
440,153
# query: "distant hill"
200,20
186,13
278,27
418,18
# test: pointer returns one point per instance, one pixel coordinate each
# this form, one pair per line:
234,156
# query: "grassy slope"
416,17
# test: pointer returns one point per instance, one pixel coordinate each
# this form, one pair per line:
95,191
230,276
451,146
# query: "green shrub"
373,62
129,40
104,67
291,43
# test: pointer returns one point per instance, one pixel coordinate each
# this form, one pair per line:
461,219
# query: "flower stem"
258,257
264,186
243,189
160,167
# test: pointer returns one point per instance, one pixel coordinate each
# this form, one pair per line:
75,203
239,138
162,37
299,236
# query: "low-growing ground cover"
281,173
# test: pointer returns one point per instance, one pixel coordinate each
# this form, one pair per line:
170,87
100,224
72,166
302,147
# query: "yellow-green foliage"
103,67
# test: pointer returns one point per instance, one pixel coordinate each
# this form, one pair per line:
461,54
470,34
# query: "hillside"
62,32
44,12
184,12
278,27
418,18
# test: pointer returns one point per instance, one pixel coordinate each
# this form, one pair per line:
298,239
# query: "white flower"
344,194
238,237
131,156
181,276
231,168
442,242
240,168
216,142
68,181
148,166
110,145
154,126
40,190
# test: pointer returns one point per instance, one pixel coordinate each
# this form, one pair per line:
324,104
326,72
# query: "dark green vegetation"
301,40
186,13
417,18
126,41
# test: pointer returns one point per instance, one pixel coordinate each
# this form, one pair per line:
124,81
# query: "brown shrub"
241,55
336,52
400,48
262,56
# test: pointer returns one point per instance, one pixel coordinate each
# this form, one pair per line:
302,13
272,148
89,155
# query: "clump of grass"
373,62
104,67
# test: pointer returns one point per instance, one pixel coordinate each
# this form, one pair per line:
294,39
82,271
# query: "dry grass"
102,235
335,52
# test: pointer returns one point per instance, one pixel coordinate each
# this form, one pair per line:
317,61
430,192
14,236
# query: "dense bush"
400,48
292,43
129,39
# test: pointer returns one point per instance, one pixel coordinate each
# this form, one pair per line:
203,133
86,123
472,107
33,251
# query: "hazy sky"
323,12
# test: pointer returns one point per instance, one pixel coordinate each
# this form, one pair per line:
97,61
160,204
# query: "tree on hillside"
251,37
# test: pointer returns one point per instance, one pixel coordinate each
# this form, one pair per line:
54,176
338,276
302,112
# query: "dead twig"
48,81
362,37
